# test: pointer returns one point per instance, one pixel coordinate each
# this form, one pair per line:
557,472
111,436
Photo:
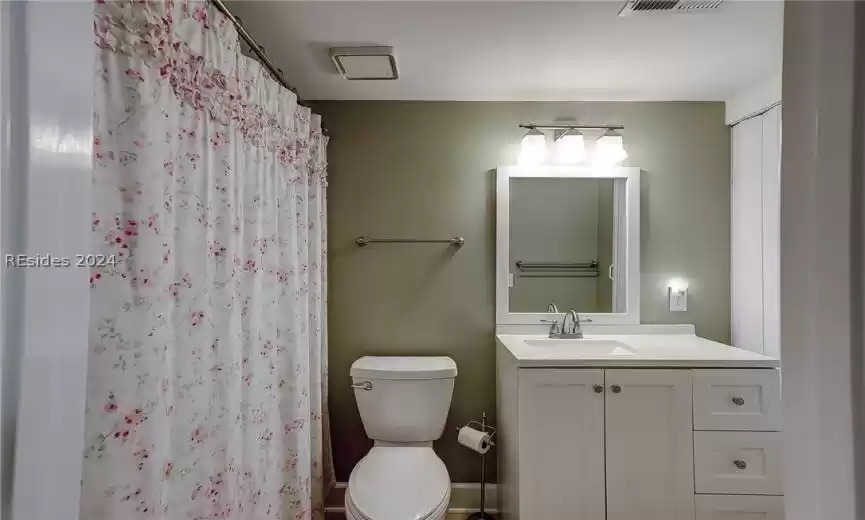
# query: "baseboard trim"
465,498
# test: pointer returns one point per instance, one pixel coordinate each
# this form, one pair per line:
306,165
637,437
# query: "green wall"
427,169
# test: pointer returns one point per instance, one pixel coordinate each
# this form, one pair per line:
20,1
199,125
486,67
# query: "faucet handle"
554,325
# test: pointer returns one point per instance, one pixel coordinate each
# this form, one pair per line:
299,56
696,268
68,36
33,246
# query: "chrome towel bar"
558,269
549,266
365,241
561,274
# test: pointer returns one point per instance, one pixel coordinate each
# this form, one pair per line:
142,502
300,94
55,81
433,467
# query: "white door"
771,252
746,235
755,210
649,445
49,178
561,444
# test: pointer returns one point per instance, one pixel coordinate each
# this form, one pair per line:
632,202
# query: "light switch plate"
678,300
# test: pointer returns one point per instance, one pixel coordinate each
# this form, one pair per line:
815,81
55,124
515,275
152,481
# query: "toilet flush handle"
362,385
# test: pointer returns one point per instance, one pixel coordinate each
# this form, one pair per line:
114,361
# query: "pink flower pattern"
207,373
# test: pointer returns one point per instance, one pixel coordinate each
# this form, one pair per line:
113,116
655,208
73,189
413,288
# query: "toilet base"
396,482
440,513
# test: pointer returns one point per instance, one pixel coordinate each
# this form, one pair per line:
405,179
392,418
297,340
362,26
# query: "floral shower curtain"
208,366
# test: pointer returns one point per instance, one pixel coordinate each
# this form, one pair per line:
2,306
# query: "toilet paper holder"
482,514
482,426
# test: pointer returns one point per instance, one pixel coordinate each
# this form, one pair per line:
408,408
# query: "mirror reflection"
563,244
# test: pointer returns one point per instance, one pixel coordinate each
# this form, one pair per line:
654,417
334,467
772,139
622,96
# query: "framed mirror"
567,236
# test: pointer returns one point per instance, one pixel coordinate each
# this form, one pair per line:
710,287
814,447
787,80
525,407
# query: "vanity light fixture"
569,144
610,149
533,147
569,147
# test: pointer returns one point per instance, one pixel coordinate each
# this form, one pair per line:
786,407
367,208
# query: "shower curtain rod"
258,50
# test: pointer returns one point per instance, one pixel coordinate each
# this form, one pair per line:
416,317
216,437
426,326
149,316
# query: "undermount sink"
585,346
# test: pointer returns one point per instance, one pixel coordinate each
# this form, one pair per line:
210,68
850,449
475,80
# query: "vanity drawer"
737,400
738,463
739,507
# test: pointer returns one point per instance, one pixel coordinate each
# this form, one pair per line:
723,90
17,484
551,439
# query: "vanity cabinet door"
561,444
649,445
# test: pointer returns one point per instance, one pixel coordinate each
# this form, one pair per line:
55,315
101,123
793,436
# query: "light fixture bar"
573,127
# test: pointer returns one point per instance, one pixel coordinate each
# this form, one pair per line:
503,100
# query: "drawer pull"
598,389
738,401
740,464
616,389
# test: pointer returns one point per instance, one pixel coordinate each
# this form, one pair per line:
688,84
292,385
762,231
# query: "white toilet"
403,402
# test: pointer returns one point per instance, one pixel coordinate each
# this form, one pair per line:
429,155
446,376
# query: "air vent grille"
633,7
698,5
654,5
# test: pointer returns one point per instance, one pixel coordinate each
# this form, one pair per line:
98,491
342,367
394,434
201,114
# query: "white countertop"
635,350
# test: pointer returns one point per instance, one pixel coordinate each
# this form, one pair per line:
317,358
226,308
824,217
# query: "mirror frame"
629,223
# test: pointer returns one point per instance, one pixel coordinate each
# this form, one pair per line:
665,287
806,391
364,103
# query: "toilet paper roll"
474,440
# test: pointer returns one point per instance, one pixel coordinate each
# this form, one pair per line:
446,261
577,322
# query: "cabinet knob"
616,389
738,401
598,389
740,464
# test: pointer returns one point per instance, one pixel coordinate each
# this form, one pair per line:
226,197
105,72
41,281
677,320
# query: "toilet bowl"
403,403
394,482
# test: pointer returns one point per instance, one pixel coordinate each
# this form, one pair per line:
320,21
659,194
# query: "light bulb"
610,149
570,148
533,147
678,285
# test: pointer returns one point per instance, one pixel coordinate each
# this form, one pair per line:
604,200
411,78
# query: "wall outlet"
678,300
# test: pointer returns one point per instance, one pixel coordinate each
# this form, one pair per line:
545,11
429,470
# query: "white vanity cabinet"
637,443
561,455
649,454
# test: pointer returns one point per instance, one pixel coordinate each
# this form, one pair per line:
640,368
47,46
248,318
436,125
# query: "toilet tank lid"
400,367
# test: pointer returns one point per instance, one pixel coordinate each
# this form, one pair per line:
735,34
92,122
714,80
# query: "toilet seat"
398,483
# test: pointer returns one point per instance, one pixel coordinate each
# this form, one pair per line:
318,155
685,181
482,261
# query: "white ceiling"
523,50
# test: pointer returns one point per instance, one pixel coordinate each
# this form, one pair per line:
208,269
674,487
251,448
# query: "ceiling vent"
365,63
633,7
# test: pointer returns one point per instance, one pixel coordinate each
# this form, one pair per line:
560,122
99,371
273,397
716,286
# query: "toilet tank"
403,399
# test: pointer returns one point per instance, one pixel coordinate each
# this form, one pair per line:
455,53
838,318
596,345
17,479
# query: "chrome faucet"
575,331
